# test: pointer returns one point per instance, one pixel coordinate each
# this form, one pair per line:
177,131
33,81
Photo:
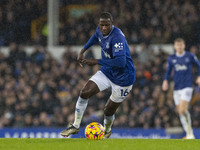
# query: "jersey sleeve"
118,46
91,41
169,69
196,62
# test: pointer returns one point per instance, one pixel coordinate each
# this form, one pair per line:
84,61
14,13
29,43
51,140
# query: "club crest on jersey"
187,60
118,47
107,45
174,60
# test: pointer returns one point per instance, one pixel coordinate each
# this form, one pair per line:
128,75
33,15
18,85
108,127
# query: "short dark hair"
106,15
179,40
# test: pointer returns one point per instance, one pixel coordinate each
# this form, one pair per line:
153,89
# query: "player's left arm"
197,63
119,61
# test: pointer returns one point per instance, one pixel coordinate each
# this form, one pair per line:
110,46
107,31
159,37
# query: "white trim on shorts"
119,93
183,94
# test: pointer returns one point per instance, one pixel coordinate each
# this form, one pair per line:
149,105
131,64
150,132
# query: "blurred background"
40,79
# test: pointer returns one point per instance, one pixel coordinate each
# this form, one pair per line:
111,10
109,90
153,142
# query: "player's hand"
80,58
198,81
91,62
165,85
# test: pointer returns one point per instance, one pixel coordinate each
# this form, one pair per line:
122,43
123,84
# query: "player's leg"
182,100
109,116
182,109
96,83
118,95
185,118
88,90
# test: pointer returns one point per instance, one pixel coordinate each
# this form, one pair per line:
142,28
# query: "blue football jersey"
182,66
114,46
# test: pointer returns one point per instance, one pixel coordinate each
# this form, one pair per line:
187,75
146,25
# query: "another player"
181,62
117,71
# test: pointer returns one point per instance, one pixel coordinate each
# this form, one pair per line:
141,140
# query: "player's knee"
85,93
182,111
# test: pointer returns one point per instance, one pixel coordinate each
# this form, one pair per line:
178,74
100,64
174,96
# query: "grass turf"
107,144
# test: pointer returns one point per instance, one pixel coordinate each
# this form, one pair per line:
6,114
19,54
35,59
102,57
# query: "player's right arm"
165,85
90,42
81,57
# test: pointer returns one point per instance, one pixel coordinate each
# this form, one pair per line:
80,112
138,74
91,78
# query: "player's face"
179,47
105,26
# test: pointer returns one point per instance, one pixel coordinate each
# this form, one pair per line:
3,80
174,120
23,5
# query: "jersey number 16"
124,92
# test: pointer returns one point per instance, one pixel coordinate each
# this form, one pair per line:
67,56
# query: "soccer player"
117,71
181,62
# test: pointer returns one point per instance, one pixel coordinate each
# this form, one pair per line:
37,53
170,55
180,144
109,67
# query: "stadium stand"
152,21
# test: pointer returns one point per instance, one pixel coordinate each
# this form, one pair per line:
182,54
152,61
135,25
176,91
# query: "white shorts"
119,93
183,94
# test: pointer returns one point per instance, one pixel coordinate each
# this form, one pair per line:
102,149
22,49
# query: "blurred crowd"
16,17
152,21
36,90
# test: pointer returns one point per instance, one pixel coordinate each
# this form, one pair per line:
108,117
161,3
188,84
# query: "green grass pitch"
106,144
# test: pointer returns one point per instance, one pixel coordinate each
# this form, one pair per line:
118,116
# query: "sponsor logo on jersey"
179,67
99,39
118,47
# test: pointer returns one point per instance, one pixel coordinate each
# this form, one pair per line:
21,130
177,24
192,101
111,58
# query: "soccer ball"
94,131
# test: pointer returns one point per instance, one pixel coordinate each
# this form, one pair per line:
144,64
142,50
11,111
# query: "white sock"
186,123
108,121
188,118
81,105
189,123
183,122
